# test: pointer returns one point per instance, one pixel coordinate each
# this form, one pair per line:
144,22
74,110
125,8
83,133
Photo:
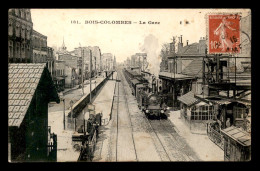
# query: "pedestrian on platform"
228,122
80,130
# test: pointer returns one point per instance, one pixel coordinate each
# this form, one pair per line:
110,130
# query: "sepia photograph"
129,85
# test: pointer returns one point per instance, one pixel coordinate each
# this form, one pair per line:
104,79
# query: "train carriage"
150,103
134,83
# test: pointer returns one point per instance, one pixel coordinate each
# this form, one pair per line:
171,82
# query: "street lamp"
85,118
71,112
95,86
63,99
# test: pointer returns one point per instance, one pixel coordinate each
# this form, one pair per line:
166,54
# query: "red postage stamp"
224,33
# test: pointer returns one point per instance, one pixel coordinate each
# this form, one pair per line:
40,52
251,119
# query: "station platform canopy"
172,76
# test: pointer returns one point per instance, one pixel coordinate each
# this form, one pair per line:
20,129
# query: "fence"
215,136
87,151
52,146
83,102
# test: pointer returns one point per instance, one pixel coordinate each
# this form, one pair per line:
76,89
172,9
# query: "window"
10,49
18,29
22,13
27,54
23,50
239,112
28,36
205,112
10,27
16,12
18,50
23,32
34,57
28,15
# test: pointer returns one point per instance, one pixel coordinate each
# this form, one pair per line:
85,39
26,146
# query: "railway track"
169,145
160,148
122,85
116,143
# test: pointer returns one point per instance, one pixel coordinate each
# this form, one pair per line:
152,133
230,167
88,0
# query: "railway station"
141,97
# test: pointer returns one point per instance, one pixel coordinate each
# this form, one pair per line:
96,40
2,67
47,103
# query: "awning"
172,76
140,85
221,102
58,78
202,104
188,99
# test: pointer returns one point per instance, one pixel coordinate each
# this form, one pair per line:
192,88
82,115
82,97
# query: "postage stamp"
224,33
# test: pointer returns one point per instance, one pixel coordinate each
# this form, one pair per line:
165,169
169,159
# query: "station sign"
141,54
91,107
92,114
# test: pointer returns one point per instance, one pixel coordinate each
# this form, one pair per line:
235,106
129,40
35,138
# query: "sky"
123,40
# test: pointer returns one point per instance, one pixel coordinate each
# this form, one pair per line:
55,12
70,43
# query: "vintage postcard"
129,85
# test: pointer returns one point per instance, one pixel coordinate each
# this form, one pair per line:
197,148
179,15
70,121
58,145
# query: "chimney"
180,45
187,42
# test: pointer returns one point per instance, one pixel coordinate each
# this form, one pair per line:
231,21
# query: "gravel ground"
130,136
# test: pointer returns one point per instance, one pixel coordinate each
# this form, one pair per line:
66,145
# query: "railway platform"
104,101
65,150
200,143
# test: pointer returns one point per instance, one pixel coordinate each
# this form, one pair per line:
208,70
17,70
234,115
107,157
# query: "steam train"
149,100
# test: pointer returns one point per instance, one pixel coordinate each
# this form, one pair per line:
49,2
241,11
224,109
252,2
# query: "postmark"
223,31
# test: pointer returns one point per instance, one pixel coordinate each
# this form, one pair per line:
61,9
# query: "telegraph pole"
90,73
139,65
82,70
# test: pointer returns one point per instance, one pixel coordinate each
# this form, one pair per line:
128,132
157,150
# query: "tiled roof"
194,68
188,99
22,83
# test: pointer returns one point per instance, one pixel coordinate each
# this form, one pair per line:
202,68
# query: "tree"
163,54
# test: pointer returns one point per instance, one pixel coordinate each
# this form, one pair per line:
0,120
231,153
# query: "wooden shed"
30,89
237,144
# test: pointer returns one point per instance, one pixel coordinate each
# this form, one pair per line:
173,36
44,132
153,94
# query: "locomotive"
150,102
152,105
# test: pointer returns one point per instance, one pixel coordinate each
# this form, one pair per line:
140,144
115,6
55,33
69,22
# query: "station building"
30,89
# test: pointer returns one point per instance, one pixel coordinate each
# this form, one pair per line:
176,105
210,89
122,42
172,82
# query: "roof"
194,68
188,99
175,76
190,49
153,107
38,34
134,73
221,102
238,135
23,80
135,81
140,85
